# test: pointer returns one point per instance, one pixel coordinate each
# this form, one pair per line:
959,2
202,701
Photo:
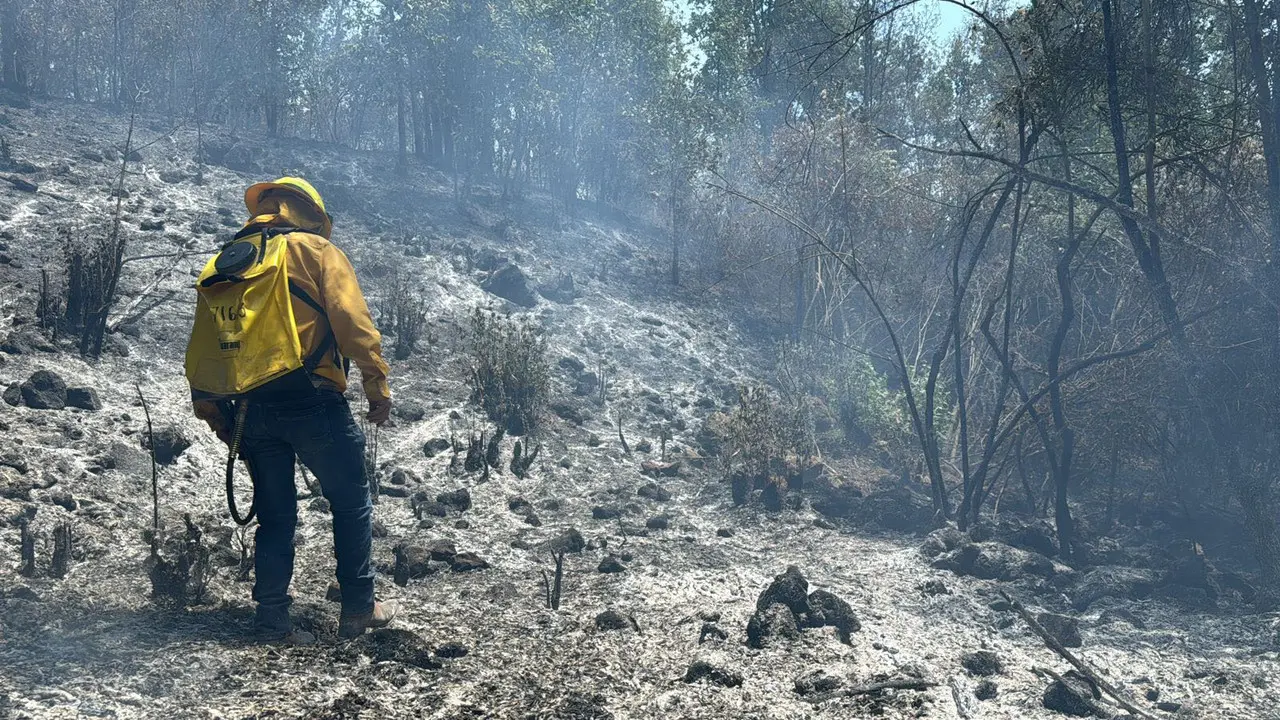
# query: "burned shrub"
509,370
79,302
180,568
768,444
403,313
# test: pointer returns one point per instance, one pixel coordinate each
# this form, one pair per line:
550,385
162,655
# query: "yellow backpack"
245,335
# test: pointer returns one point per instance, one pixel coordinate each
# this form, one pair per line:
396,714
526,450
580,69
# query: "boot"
351,626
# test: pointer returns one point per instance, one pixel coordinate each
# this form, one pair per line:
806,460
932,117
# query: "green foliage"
509,370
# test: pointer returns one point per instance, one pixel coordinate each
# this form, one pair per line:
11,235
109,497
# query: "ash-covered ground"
475,638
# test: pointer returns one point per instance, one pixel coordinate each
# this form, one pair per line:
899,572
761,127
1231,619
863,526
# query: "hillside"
474,638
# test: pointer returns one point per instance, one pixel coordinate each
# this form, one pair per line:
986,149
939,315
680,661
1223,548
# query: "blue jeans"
319,430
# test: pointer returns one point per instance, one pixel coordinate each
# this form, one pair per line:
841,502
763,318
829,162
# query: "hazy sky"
948,18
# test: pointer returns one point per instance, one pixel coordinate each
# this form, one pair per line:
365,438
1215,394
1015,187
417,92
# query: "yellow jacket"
323,271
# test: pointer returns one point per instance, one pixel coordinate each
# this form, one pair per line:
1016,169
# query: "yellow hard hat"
294,186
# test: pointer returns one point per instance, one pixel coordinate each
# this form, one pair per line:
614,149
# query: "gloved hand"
379,412
213,415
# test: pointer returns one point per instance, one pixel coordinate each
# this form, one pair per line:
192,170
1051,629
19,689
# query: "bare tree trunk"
9,44
402,141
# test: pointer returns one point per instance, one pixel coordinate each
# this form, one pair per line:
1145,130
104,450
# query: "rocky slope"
664,611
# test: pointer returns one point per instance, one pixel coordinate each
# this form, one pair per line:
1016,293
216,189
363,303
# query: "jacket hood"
292,213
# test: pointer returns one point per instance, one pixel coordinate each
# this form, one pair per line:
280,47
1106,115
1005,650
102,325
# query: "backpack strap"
330,341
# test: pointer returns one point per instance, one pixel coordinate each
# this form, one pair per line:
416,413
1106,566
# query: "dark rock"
442,551
459,499
703,670
982,663
170,443
569,412
44,390
1112,582
771,498
23,184
613,620
13,395
820,680
724,532
562,291
899,509
64,500
934,588
26,342
995,561
827,610
452,651
410,411
319,504
1065,629
572,364
986,690
776,622
610,564
467,562
588,384
12,459
436,446
570,541
711,630
395,491
658,522
334,592
1169,707
632,530
380,529
510,283
1037,536
22,592
519,505
403,477
789,589
532,519
941,541
654,468
654,491
413,561
83,398
606,512
151,225
1073,695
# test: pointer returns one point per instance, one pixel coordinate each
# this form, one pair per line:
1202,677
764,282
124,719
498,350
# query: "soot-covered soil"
480,643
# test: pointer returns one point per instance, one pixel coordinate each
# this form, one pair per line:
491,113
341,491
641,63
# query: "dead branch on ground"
1085,669
872,688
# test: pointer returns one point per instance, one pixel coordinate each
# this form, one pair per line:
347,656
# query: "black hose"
234,450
